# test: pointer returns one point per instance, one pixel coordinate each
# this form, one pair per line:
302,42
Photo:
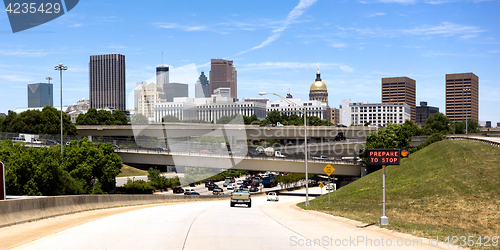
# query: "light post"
466,112
49,79
303,110
61,67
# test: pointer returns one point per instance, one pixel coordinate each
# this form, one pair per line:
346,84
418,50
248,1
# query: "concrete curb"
24,210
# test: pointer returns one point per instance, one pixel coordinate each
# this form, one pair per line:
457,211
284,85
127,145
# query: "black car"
178,190
208,183
218,189
211,187
50,142
254,189
192,193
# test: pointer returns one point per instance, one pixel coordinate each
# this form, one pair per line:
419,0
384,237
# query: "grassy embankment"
450,188
127,171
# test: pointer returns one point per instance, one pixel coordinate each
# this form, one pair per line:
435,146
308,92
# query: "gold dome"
318,84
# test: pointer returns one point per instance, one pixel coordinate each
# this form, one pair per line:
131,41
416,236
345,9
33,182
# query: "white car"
239,182
231,186
272,196
331,187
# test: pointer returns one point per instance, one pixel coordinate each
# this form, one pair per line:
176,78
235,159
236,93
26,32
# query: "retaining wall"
23,210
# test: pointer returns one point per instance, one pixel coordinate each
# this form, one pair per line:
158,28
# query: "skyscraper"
401,90
202,87
162,75
462,96
40,95
174,89
107,81
223,74
424,111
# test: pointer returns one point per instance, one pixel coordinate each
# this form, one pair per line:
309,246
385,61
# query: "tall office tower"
40,95
318,91
462,96
401,90
202,87
174,89
424,111
162,75
150,95
107,81
223,75
137,94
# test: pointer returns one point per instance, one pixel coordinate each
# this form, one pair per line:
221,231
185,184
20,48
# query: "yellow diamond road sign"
321,185
328,169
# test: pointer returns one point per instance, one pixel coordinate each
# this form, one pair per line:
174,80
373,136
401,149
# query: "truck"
268,181
28,138
239,196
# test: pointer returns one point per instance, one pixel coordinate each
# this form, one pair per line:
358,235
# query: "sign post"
385,157
3,193
321,185
328,169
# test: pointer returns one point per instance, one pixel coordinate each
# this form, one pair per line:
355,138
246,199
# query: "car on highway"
231,186
254,189
208,183
178,190
330,187
241,197
217,188
272,196
51,142
217,192
242,187
188,190
321,157
212,186
192,193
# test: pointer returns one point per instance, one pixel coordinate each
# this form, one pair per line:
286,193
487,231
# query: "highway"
215,225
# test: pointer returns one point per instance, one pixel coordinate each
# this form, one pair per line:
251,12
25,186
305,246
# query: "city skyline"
274,46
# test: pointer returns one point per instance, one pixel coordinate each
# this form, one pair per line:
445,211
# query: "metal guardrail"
228,156
483,140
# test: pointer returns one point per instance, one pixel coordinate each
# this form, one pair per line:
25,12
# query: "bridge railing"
231,155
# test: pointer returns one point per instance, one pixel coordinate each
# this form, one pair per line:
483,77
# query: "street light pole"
303,110
49,79
61,67
466,112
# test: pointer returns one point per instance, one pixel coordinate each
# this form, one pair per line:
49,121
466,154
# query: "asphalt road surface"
215,225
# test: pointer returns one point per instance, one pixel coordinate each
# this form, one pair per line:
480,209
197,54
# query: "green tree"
35,122
412,128
274,117
392,136
120,118
170,118
437,123
473,126
139,119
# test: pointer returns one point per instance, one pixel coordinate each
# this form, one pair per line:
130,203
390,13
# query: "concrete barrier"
24,210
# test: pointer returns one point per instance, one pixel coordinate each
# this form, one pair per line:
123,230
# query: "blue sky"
275,45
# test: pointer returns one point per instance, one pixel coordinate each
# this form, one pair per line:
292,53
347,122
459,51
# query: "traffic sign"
321,185
328,169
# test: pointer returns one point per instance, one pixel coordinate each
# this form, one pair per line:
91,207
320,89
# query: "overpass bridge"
240,162
179,130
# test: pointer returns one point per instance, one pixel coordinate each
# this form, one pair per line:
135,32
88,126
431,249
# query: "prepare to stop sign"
383,156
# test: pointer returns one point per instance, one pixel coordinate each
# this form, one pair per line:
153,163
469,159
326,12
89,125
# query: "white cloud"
494,51
399,1
377,14
338,45
443,29
276,33
446,29
182,27
293,65
24,53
